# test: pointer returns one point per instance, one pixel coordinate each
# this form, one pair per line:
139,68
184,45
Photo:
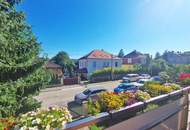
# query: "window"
106,64
94,64
116,64
129,61
87,92
94,92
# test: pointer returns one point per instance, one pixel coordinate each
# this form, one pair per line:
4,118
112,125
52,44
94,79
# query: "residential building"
176,57
55,68
96,60
135,57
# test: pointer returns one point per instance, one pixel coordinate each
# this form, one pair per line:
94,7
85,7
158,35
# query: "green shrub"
142,96
105,73
110,101
175,86
150,107
185,82
94,107
156,89
94,127
164,76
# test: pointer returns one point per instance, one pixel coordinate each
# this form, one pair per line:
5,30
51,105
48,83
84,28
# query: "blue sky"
79,26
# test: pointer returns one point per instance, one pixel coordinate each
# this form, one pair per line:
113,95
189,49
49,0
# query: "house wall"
56,71
135,60
82,63
97,64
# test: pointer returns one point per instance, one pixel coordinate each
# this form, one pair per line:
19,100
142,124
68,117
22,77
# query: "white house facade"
97,60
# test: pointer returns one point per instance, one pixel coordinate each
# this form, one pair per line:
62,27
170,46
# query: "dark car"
88,93
127,87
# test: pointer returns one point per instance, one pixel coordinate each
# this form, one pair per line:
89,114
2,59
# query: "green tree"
157,56
62,59
21,71
157,66
121,53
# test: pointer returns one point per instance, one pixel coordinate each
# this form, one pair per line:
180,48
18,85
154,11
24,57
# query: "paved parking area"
63,95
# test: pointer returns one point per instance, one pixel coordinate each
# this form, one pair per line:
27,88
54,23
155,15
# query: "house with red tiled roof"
96,60
135,57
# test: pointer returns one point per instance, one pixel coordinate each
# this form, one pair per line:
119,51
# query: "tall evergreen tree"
121,53
21,71
157,56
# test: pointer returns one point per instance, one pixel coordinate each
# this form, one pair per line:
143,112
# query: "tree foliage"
63,59
121,53
21,72
157,56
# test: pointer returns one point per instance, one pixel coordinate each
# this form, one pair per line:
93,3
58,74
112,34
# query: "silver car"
88,93
131,78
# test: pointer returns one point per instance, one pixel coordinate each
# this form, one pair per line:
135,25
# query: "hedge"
105,74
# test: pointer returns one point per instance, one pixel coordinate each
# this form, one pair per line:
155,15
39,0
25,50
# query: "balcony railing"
172,114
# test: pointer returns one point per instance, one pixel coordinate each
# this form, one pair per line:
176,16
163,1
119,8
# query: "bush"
150,107
105,74
164,76
94,127
156,89
94,107
185,82
142,96
173,86
111,101
44,119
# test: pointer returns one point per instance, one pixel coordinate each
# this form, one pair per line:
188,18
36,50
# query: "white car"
145,76
88,93
131,77
143,81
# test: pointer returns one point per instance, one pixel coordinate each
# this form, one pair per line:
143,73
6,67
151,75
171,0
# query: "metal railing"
177,102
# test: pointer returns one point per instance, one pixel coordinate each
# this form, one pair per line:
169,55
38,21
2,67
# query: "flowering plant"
111,101
156,89
7,123
142,96
48,119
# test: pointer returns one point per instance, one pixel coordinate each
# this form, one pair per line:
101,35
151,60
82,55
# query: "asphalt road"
61,96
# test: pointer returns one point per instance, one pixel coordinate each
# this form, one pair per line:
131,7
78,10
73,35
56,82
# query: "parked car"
88,93
145,76
128,87
143,81
157,79
132,77
125,80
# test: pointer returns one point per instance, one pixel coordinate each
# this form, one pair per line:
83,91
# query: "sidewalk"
61,87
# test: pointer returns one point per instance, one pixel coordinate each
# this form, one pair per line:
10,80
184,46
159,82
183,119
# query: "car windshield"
123,86
141,82
87,92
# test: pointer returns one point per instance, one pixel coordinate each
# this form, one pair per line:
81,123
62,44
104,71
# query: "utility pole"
111,67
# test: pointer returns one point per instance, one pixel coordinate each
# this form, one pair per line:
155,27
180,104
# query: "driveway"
61,96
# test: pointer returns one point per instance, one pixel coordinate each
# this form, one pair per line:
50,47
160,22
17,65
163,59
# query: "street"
61,96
